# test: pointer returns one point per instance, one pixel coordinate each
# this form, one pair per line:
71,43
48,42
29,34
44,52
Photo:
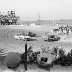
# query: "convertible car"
46,58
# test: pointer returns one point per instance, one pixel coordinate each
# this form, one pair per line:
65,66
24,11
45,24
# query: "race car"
22,37
52,38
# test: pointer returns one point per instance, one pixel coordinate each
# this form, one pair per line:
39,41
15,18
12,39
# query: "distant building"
9,18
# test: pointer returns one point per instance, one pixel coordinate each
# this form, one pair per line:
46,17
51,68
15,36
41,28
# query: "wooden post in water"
25,55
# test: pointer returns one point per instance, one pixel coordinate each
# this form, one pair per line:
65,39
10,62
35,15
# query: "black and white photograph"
35,35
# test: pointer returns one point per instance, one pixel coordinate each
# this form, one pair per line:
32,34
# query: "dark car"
53,38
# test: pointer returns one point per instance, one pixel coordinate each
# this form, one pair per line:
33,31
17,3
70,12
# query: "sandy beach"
10,44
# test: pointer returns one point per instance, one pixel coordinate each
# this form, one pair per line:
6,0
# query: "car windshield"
52,36
44,59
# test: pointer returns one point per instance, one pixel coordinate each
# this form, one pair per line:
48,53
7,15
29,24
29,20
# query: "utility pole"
54,22
39,18
25,55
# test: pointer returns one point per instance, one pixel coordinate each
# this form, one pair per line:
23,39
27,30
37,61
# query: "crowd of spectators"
63,30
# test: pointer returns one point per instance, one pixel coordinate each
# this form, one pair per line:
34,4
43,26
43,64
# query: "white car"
22,37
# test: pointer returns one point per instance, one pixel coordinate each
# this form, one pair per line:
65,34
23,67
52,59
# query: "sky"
32,9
